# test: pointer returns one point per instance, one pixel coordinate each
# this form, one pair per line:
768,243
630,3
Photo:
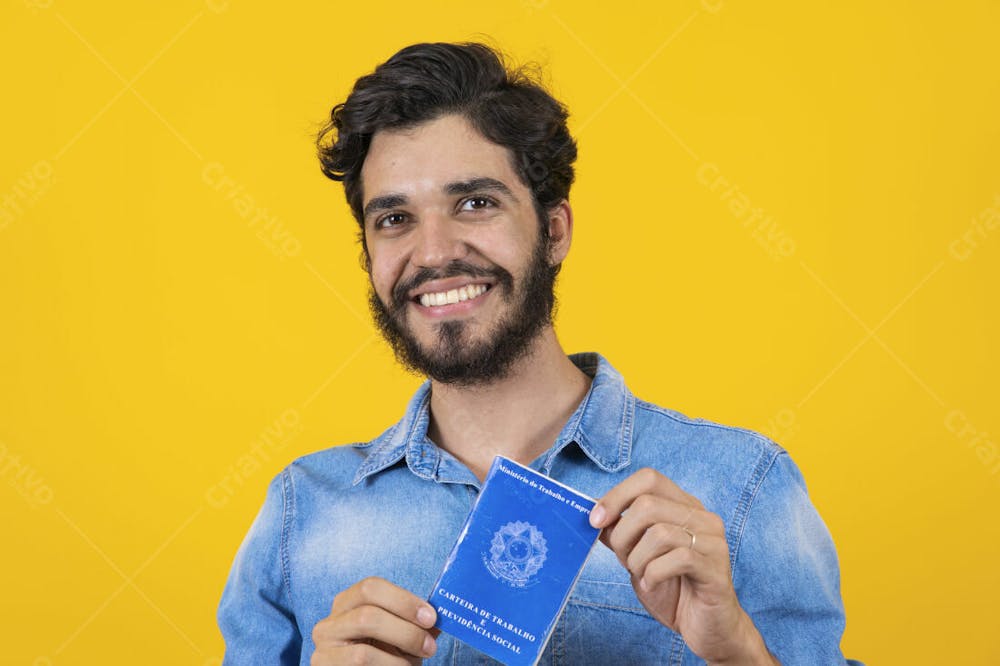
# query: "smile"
453,295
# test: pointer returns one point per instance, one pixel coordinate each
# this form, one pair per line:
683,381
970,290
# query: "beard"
452,358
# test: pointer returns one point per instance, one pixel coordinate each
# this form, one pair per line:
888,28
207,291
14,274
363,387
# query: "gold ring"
693,537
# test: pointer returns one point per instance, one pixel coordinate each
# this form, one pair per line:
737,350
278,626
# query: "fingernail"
643,584
425,616
430,646
597,516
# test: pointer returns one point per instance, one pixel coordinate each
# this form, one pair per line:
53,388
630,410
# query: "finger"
644,512
681,562
397,652
357,653
645,481
662,539
380,592
366,623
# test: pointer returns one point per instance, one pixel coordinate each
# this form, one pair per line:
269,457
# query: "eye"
476,203
390,220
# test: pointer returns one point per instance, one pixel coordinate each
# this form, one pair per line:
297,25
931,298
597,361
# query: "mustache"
454,268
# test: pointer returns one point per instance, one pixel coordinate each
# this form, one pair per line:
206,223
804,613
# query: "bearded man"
458,170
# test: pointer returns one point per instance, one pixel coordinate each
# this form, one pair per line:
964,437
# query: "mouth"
451,296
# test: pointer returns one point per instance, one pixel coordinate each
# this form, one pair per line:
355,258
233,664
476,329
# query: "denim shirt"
393,508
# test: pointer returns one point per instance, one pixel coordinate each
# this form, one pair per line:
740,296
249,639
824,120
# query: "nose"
437,242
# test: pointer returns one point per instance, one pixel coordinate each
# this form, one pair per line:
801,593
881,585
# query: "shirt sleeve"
786,573
255,614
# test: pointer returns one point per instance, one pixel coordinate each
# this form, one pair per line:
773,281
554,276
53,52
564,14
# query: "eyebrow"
471,186
474,185
383,203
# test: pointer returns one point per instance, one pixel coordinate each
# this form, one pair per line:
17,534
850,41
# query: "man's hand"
375,622
678,558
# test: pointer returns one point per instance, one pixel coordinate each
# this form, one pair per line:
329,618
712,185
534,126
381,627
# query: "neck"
518,416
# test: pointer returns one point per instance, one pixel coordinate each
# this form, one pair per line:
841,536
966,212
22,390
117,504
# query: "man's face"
461,278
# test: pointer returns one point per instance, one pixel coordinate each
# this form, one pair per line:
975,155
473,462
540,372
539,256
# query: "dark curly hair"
425,81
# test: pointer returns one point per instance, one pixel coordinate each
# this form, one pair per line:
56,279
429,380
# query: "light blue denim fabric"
394,507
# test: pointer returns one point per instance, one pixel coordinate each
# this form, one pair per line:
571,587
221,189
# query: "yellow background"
183,312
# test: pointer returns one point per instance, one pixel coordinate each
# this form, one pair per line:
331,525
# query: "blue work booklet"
511,571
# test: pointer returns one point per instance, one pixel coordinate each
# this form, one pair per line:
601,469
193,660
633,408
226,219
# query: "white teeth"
453,295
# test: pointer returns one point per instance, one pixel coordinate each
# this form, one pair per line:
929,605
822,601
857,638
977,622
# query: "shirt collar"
601,426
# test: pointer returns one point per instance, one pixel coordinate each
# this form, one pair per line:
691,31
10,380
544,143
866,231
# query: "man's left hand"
678,558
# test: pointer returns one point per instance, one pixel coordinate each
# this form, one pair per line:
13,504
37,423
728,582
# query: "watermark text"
23,478
980,441
268,228
763,229
25,192
275,436
983,225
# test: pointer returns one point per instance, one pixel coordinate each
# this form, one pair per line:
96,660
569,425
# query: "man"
458,172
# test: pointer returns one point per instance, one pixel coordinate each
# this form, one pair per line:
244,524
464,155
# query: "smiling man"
458,171
444,292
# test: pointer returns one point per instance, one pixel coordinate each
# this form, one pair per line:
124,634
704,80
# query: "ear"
560,219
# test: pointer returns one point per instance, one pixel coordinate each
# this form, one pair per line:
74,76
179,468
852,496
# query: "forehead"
428,156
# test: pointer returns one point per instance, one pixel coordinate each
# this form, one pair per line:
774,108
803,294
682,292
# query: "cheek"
382,275
510,250
519,258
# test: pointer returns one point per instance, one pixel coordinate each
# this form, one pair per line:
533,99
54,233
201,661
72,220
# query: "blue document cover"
515,562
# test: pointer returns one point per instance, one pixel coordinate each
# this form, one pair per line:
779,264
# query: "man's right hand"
375,622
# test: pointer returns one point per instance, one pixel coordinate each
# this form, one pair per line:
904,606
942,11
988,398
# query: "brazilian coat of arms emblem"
517,553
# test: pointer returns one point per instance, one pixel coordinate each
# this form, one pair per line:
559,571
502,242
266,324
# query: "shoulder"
331,461
724,466
700,436
333,467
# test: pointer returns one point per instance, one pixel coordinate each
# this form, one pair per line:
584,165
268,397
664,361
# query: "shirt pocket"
604,622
